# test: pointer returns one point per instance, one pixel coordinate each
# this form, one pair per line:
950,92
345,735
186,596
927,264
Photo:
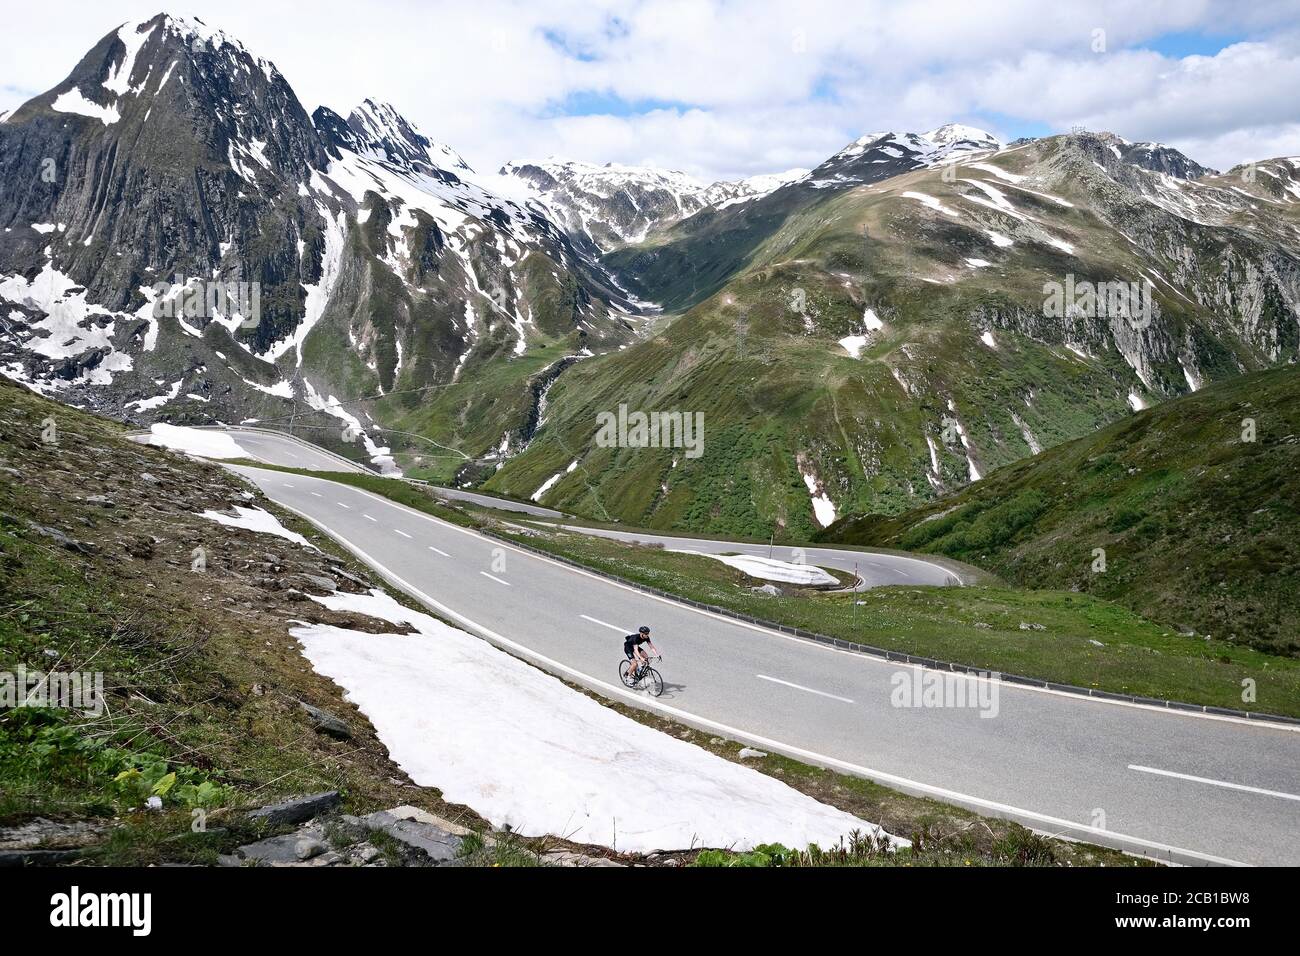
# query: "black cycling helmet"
643,629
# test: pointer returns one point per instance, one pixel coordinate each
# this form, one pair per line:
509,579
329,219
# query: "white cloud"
731,89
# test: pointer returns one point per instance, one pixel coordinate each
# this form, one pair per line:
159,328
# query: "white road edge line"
612,627
819,693
1258,724
868,658
1215,783
1052,824
494,578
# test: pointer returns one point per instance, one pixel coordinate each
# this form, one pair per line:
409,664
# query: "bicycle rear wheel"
625,673
653,682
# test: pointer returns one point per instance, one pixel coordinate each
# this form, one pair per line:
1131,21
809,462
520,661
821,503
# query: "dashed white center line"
819,693
317,494
1215,783
612,627
342,505
401,532
368,518
287,485
494,578
436,551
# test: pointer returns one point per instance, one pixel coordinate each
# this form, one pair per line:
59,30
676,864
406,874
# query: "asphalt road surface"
873,569
1174,785
280,450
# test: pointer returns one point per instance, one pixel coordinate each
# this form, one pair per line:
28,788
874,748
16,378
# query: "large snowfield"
521,748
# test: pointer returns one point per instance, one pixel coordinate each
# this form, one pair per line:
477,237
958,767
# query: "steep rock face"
167,146
172,162
1207,244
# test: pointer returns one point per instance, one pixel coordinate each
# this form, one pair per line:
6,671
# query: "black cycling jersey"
633,640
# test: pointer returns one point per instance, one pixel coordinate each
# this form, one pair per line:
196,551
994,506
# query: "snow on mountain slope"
888,330
172,158
865,158
614,204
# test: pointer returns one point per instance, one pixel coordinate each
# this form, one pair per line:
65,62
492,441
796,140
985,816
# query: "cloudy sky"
728,89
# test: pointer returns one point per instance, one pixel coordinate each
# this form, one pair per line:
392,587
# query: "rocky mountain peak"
1154,157
878,155
957,133
381,132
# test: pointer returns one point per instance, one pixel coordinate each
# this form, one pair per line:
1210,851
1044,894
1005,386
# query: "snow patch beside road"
520,748
201,442
255,519
770,569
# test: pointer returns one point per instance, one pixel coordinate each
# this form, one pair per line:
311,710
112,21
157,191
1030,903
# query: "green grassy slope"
1198,525
949,306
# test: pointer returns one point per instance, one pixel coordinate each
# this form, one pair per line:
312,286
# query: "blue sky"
723,88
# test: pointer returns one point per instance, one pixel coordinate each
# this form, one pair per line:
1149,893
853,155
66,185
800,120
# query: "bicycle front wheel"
653,682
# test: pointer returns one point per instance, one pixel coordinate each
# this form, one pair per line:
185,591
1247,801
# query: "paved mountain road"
1174,785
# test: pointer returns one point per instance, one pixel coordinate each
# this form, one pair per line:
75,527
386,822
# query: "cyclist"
632,648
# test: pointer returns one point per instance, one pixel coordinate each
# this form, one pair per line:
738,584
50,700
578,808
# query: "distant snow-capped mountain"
871,157
172,160
614,204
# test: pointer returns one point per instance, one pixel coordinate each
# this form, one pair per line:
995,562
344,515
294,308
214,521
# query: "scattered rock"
324,722
36,857
1026,626
567,858
363,853
273,851
418,829
140,546
63,540
748,753
308,847
322,582
40,833
297,810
